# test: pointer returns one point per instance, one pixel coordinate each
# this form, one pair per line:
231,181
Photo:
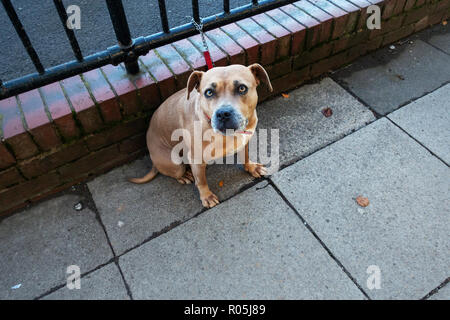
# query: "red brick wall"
69,131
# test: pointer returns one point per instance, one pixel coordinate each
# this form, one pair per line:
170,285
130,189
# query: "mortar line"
116,258
310,229
420,143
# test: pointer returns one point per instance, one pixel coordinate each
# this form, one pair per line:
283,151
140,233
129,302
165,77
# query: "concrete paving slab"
389,78
302,127
105,283
442,294
428,120
38,245
252,246
438,36
404,230
133,213
145,210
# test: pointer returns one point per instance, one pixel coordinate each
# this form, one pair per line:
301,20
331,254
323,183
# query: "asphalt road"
47,35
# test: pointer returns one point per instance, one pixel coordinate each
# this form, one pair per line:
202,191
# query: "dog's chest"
222,146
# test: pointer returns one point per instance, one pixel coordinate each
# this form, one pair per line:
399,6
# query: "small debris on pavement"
17,286
285,95
400,76
362,201
78,206
327,112
221,184
120,224
392,47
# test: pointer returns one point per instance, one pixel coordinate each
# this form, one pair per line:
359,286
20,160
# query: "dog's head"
228,95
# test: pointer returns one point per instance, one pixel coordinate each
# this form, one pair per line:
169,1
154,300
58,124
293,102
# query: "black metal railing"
127,50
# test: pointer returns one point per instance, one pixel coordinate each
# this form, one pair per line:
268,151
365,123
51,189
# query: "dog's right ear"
194,81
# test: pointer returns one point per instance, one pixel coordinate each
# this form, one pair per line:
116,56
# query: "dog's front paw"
209,200
255,169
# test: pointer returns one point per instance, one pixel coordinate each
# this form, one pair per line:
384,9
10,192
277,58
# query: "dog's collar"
209,122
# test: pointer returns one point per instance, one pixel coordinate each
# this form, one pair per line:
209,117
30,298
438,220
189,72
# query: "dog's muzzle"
227,117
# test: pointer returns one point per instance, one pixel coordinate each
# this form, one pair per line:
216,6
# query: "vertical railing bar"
69,32
163,15
195,11
226,6
23,35
123,35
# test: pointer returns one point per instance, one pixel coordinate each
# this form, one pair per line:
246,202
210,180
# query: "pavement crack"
310,229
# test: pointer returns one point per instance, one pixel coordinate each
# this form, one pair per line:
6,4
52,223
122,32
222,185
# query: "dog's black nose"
224,113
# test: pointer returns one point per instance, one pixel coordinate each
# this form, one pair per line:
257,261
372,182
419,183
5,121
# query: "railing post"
123,35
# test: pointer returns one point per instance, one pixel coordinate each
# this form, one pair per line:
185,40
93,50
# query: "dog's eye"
242,89
209,93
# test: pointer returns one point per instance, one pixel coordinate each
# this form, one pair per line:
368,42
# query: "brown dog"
225,99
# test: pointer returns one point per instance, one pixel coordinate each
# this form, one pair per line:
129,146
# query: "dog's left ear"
194,81
260,75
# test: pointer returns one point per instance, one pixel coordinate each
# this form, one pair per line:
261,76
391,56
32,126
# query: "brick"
250,45
352,10
190,54
267,42
325,19
133,144
291,80
279,69
399,5
60,111
122,83
388,9
6,158
103,95
10,177
37,120
312,25
116,133
13,130
328,64
46,162
19,194
363,5
88,164
409,4
164,77
297,30
85,109
355,52
340,21
282,34
387,26
397,35
415,15
218,57
235,53
351,40
421,24
313,55
420,3
147,90
176,64
374,44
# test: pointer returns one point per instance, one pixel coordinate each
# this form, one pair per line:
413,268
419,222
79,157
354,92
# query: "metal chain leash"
199,28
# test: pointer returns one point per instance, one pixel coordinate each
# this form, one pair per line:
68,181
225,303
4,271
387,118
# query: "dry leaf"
362,201
221,184
444,23
327,112
285,95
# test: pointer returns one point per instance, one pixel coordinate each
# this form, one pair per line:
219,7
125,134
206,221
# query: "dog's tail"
147,178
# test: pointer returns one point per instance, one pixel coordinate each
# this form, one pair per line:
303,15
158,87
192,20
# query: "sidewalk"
297,235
